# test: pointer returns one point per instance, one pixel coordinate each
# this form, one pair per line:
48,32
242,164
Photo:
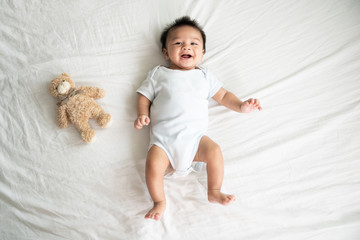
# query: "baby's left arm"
229,100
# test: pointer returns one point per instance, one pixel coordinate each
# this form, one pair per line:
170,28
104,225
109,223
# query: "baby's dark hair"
183,21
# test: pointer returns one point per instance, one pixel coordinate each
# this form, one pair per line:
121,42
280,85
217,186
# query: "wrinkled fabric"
293,167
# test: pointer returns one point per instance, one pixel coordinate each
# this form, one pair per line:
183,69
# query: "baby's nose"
186,47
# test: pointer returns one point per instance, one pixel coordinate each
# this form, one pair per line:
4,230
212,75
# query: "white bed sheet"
294,167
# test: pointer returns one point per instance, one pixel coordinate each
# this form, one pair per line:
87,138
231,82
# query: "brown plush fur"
79,108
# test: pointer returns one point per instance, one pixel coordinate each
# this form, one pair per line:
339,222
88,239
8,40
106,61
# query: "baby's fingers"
251,104
145,120
249,101
257,104
137,124
141,121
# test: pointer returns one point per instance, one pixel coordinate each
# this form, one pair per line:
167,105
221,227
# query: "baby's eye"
194,44
177,43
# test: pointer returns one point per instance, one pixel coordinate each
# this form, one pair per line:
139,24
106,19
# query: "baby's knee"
213,153
216,150
155,166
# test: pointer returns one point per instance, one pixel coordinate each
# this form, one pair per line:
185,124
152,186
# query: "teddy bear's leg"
87,133
105,120
102,118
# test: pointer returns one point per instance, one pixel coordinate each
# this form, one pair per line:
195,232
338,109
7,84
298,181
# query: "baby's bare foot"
157,211
215,196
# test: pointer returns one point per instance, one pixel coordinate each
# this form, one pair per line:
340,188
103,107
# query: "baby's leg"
210,153
156,164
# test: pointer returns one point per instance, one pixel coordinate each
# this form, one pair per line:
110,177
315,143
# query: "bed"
293,167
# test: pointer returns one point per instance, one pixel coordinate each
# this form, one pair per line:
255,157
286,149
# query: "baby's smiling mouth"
186,56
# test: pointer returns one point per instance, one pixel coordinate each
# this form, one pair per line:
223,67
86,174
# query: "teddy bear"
77,104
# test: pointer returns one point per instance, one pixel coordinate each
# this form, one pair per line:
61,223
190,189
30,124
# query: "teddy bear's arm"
61,117
93,92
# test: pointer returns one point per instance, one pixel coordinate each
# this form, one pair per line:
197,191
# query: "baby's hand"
141,120
250,105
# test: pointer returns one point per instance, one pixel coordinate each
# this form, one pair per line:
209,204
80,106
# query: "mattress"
293,167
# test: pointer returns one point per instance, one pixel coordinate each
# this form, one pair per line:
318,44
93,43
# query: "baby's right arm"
143,106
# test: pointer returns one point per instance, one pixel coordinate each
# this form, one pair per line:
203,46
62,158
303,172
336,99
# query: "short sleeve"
214,83
147,87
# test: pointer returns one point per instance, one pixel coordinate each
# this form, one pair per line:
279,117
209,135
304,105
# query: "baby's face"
184,48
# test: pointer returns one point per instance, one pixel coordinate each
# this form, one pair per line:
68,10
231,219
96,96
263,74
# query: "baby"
175,98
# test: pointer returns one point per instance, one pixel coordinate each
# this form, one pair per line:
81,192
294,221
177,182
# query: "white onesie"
179,112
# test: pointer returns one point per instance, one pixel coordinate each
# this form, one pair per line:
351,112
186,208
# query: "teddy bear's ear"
65,74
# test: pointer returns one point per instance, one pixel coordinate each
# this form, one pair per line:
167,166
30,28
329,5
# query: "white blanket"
294,167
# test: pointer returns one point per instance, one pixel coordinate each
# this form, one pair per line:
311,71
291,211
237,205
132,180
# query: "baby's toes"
157,216
229,199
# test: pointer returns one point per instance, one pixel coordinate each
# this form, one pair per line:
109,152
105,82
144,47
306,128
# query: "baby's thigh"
157,159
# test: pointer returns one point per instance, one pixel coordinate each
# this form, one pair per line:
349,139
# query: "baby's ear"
165,52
